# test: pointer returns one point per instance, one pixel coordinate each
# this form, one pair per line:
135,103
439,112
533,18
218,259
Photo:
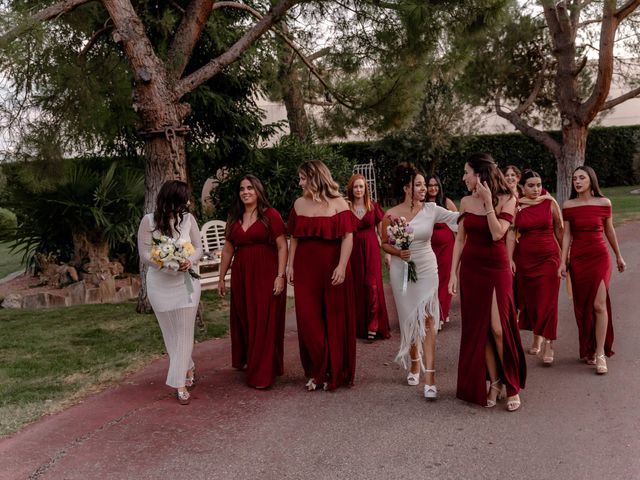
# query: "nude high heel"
601,365
547,359
497,387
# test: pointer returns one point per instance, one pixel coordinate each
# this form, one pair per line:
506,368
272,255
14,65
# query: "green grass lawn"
51,358
9,262
626,207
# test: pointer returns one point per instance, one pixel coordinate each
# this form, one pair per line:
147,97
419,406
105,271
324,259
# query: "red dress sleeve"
378,213
506,216
291,221
276,225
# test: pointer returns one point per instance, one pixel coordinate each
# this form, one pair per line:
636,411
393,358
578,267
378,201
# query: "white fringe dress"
420,298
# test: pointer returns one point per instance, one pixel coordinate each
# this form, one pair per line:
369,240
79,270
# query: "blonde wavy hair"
320,183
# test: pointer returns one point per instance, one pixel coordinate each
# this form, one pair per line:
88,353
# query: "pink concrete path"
573,424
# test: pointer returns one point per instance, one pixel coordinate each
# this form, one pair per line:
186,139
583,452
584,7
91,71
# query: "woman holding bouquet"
490,340
321,227
442,241
173,294
255,241
371,309
416,300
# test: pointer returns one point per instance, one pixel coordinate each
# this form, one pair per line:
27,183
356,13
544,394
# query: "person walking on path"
490,339
173,294
534,246
416,301
321,227
372,320
585,256
255,241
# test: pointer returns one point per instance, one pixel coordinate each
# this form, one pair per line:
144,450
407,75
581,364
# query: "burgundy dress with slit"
371,308
325,313
257,315
485,269
537,259
442,242
589,266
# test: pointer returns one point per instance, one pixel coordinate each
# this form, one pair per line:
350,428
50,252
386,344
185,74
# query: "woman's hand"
513,267
484,192
290,275
184,265
562,271
621,264
453,285
405,255
338,275
278,285
387,260
221,287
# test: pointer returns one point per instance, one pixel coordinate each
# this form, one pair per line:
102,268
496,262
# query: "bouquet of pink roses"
400,235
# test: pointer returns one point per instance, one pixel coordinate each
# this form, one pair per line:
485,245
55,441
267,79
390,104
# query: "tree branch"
538,135
186,36
622,98
589,22
627,9
215,66
94,39
50,13
534,93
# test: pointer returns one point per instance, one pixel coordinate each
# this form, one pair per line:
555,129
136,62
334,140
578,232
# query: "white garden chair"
212,234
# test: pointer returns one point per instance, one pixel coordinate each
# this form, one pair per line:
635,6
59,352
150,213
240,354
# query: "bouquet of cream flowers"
400,235
169,253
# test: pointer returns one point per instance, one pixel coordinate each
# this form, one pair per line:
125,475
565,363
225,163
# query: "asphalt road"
573,424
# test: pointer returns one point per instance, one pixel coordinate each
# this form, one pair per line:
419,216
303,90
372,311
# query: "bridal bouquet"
400,235
168,253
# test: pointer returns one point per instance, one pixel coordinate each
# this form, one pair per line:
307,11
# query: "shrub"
8,223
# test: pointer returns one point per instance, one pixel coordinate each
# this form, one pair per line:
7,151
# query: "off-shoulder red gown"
537,258
485,269
442,241
325,313
371,308
257,315
589,266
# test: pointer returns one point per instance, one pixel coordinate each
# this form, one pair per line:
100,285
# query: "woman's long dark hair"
527,175
440,198
406,173
593,181
237,207
484,165
171,207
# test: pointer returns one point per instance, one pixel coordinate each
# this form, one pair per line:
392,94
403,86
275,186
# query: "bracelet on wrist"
489,211
280,275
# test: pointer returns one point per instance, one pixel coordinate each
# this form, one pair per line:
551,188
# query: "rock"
107,290
76,293
92,295
35,300
55,300
124,293
13,300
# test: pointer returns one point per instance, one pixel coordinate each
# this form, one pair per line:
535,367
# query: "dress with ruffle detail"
325,313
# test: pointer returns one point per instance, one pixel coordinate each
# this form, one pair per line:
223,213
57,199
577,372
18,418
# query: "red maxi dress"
537,258
484,268
325,313
442,241
257,315
589,266
371,308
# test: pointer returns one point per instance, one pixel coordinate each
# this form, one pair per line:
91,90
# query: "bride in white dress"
173,296
417,302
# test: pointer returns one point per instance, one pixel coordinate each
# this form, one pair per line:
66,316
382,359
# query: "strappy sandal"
430,391
601,364
190,381
514,404
590,360
184,398
371,336
497,387
413,379
547,359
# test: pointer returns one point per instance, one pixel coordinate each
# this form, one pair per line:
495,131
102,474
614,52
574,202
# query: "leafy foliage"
102,200
277,168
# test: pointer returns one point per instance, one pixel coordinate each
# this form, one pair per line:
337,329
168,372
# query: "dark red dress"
442,241
589,266
325,313
371,308
537,258
257,315
484,268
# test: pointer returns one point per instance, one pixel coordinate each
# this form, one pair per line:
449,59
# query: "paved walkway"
573,424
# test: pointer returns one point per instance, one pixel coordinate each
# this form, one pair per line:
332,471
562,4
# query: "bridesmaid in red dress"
255,241
587,214
490,340
512,176
321,227
534,246
442,241
372,320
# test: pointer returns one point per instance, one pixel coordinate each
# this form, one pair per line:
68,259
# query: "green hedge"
613,152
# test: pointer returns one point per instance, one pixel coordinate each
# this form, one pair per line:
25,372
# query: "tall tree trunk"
574,147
